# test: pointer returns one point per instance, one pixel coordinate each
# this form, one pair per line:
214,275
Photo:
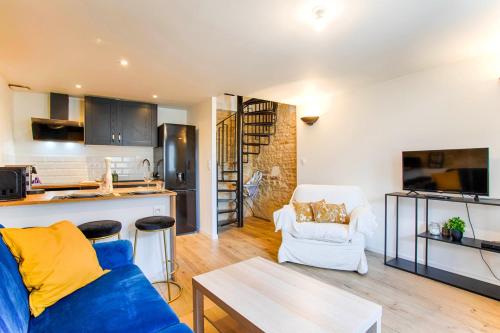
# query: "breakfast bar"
79,206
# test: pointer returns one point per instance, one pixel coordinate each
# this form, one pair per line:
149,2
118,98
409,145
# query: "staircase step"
260,113
259,123
226,190
223,223
225,211
230,171
226,200
227,181
258,134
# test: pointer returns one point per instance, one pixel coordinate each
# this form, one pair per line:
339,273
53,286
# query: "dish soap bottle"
115,176
108,178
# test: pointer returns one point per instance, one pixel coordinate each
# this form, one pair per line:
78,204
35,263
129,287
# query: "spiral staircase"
239,136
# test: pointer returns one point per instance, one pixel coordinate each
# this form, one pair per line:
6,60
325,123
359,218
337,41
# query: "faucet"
146,161
156,173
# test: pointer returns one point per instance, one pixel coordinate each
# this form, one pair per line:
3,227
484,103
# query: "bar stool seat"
100,229
161,224
152,223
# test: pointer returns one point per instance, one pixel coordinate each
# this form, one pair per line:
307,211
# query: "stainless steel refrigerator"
174,161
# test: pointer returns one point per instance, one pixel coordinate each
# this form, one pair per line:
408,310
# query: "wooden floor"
410,303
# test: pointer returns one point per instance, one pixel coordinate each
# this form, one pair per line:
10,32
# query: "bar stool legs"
168,281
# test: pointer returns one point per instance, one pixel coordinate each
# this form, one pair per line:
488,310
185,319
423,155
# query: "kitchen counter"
52,197
91,185
53,206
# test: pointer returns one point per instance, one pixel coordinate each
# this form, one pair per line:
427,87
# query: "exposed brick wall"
278,163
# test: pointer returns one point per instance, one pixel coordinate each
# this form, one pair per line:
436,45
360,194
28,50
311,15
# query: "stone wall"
278,163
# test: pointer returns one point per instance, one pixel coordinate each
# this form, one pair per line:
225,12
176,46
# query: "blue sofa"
121,301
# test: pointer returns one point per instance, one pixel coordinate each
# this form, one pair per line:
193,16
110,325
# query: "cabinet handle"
119,137
113,137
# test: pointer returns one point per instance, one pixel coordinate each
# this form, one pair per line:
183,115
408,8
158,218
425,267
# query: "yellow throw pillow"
53,261
330,213
304,211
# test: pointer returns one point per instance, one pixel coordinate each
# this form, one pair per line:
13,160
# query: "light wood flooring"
410,303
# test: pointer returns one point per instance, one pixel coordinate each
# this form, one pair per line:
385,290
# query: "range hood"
58,127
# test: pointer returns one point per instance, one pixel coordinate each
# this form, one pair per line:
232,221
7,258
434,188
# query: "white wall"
6,136
68,162
203,116
360,135
171,115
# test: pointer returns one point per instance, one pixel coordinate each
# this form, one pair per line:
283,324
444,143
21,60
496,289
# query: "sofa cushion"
121,301
54,261
14,307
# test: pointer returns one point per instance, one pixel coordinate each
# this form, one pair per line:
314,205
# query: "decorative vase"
108,177
456,235
445,232
434,229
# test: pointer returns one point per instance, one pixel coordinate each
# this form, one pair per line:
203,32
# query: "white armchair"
327,245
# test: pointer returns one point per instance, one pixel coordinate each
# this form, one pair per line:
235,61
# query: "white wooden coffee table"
267,297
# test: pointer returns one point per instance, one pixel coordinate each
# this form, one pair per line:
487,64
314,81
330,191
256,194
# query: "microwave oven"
12,183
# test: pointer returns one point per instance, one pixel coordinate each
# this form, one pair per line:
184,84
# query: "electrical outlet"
158,210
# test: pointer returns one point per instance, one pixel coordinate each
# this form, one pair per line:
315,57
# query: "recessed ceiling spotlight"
98,40
78,86
155,96
124,62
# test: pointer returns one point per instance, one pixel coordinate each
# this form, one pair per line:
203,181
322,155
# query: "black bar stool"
160,224
101,229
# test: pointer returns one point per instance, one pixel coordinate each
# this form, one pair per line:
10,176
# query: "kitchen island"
123,205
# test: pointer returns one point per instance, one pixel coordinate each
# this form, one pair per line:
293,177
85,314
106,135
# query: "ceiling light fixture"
124,62
155,96
78,86
320,17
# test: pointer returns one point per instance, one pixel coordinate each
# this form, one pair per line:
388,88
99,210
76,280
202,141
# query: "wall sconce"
310,120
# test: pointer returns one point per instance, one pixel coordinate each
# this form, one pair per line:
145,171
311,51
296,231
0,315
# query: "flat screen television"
450,171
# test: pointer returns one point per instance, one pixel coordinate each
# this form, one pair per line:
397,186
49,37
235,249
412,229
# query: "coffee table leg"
376,327
198,312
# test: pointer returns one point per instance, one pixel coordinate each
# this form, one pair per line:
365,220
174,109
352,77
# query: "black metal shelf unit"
473,285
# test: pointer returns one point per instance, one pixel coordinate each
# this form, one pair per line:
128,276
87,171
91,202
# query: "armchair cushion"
361,217
114,254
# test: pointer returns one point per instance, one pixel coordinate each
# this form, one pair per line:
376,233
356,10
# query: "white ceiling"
187,50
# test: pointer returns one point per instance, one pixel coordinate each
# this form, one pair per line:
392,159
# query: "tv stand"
423,269
412,191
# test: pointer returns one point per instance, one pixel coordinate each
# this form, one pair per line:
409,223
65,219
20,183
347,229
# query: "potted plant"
445,230
457,228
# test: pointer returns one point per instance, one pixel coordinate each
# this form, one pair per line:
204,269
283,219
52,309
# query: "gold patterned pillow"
329,213
304,211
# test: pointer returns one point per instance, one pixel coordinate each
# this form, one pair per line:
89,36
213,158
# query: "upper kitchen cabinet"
122,123
138,123
99,113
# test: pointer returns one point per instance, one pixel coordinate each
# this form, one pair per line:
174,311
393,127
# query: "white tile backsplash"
55,169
